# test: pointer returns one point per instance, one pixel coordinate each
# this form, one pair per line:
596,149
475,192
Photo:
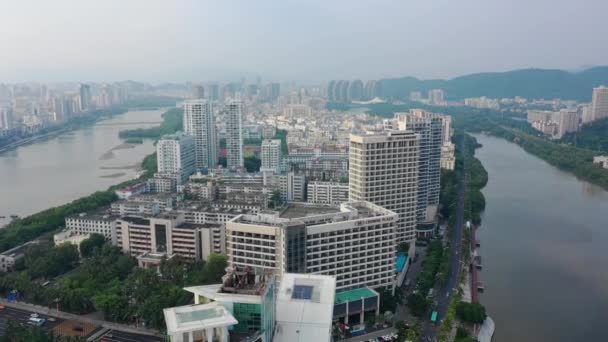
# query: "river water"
58,170
544,238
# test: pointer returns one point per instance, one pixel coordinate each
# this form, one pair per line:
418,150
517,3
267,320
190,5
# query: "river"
60,169
543,245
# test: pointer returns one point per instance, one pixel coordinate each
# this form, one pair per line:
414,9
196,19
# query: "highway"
451,286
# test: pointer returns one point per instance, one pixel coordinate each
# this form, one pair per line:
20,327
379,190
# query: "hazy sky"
175,40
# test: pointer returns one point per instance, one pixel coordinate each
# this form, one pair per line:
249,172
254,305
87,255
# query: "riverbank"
75,164
73,124
543,236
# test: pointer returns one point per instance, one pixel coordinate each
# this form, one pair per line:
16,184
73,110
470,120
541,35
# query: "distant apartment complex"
384,171
176,156
234,135
554,124
199,121
599,103
271,155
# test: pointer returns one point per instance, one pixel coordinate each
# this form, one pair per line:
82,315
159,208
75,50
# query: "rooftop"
315,214
298,210
197,317
305,307
186,225
136,220
354,295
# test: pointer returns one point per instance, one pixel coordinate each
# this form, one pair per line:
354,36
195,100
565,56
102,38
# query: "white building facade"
234,135
199,121
384,171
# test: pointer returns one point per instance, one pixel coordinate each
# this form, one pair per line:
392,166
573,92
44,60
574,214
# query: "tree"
471,312
417,304
403,247
88,246
252,164
370,321
276,200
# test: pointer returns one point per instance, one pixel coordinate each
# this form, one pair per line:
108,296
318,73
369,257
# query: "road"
20,312
451,286
371,335
18,316
119,336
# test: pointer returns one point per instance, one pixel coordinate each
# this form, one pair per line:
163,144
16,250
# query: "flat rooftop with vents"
198,322
305,308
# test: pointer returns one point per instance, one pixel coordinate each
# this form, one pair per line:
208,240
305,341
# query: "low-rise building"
300,309
602,161
92,223
68,236
9,257
128,191
170,234
327,192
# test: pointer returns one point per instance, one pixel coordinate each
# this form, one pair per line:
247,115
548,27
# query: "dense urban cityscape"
289,172
314,220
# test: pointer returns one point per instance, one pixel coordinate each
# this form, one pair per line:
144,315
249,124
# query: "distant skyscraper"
384,170
199,121
198,92
567,122
6,118
106,95
330,91
213,91
436,97
344,91
85,97
599,103
415,96
234,134
271,155
176,156
372,89
355,91
429,127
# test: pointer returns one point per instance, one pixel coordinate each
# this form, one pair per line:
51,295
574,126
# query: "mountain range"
528,83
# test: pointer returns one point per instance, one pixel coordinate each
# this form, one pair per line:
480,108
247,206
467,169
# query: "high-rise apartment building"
429,126
234,135
176,156
213,91
599,103
85,97
199,121
354,242
271,155
198,92
6,118
384,171
567,121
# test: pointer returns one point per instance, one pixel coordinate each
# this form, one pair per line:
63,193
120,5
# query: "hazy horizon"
178,41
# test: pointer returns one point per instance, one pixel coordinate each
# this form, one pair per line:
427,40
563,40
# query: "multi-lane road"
451,286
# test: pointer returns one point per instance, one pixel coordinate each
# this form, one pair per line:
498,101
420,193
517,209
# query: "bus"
434,317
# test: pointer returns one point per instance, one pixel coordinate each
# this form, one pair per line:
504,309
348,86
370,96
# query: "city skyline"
309,42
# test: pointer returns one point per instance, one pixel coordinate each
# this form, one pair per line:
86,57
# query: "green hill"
529,83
